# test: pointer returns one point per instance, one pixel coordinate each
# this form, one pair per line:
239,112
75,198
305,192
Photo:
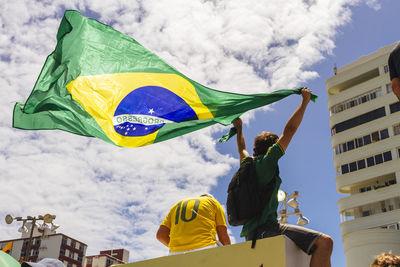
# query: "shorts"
304,238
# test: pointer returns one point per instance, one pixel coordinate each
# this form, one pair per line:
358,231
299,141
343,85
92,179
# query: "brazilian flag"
99,82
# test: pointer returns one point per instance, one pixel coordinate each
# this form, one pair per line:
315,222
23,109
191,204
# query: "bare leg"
322,254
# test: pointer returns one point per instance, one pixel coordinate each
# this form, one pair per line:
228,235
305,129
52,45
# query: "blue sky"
238,46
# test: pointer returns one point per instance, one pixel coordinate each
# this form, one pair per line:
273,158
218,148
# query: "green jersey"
266,166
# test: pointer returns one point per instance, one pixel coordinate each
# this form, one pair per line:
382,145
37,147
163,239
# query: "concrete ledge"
278,251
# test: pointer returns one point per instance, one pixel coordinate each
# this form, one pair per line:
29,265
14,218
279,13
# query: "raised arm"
295,120
394,71
396,87
241,143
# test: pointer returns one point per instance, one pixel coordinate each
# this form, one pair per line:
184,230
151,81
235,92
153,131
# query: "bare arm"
241,143
294,121
163,235
396,87
223,236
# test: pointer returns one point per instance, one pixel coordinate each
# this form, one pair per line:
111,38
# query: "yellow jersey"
192,223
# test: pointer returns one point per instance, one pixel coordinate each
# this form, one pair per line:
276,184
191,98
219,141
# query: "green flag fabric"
101,83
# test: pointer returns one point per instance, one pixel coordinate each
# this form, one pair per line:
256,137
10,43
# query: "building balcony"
363,69
368,222
362,95
379,193
351,79
367,150
345,182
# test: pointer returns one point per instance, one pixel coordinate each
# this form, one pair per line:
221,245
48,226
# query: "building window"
395,107
393,226
109,262
69,264
359,120
375,137
361,164
64,240
89,261
378,159
73,244
389,88
79,258
345,169
386,68
81,247
367,139
359,142
384,134
353,166
396,129
366,213
344,147
350,145
71,254
371,161
387,156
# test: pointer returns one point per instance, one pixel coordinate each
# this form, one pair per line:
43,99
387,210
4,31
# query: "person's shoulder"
278,147
395,52
275,148
246,159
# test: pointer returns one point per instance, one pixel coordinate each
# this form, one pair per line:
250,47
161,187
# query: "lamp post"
47,220
291,201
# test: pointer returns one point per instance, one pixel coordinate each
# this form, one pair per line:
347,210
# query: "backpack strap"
254,239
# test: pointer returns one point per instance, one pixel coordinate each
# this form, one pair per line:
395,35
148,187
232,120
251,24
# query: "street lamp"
47,221
291,201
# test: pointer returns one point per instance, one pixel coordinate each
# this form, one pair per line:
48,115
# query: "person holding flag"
268,149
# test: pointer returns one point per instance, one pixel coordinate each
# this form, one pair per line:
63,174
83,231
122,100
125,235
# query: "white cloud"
113,197
374,4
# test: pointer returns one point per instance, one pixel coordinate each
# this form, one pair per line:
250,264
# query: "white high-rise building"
365,125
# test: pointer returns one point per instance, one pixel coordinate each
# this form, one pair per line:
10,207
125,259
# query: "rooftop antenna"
334,69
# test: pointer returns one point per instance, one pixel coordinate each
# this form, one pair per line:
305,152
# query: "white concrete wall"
362,247
50,247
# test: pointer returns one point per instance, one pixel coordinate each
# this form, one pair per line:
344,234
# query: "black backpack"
246,197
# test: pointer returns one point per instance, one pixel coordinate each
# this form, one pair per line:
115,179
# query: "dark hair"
262,142
386,260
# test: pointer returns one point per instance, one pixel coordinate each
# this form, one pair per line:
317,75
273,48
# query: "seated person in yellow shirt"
192,223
